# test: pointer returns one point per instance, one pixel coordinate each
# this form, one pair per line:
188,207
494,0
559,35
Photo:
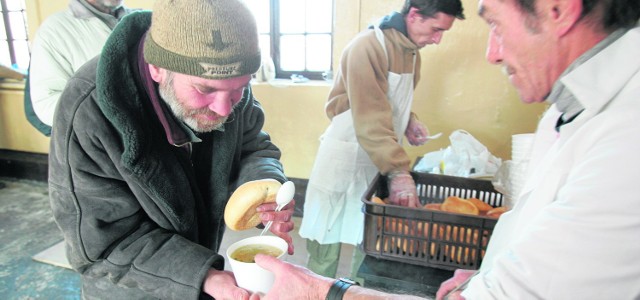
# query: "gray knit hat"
213,39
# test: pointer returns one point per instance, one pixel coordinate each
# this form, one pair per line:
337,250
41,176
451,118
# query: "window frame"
274,35
10,40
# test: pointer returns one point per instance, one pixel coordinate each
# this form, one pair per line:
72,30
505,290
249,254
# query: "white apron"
343,170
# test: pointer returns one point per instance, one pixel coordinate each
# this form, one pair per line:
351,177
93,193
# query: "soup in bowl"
241,256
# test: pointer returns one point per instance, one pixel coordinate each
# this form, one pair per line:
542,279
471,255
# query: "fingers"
416,139
445,287
256,296
222,285
268,213
267,262
459,277
282,223
286,237
405,198
413,201
402,189
416,132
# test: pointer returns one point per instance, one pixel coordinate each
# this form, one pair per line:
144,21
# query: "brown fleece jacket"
361,84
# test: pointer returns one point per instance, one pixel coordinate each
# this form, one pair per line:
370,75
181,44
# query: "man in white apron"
370,111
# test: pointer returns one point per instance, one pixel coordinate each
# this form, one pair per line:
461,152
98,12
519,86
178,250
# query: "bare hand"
459,277
222,285
282,223
291,281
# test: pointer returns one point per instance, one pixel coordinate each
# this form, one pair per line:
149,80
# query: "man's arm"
49,72
296,282
364,69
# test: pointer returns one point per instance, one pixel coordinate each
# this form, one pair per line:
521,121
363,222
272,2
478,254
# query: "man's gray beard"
113,4
168,95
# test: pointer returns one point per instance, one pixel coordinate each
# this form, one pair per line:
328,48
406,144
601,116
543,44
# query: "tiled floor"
27,228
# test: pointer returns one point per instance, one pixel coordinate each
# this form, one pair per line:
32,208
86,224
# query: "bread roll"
481,205
433,206
496,212
377,200
240,212
459,205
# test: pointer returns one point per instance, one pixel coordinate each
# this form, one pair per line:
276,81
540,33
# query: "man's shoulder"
57,22
365,41
365,36
61,17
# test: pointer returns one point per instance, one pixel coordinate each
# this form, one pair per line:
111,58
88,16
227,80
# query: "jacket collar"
395,28
176,132
119,93
393,20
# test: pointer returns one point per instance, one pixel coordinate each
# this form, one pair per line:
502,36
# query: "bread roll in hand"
240,212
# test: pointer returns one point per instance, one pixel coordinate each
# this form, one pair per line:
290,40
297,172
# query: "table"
401,278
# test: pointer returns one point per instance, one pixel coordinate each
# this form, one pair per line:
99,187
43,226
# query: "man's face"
522,45
426,31
203,104
110,3
106,6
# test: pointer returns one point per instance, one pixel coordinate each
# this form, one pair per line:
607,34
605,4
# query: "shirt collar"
81,9
177,133
561,96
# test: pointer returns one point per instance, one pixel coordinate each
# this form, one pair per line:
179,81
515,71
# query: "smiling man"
573,233
150,140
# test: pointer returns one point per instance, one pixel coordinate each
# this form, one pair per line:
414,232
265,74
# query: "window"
14,46
296,34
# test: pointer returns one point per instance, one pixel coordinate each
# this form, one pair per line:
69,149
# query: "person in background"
149,141
370,111
62,44
572,233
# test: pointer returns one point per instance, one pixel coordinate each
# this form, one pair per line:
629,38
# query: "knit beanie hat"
212,39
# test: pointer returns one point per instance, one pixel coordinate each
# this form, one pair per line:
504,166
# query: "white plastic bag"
466,157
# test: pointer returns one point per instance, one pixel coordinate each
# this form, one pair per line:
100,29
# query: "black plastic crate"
426,237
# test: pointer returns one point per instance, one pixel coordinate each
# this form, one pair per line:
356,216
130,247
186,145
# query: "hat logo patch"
212,70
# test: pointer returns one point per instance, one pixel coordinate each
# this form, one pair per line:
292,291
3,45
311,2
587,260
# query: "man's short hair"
430,8
609,14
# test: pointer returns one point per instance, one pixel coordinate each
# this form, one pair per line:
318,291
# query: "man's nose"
221,104
494,49
437,37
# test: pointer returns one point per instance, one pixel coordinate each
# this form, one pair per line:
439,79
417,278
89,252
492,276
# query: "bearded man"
149,141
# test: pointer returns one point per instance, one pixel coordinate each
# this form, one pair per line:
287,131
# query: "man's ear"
413,14
157,73
564,14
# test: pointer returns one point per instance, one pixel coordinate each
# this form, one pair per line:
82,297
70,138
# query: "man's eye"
204,91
